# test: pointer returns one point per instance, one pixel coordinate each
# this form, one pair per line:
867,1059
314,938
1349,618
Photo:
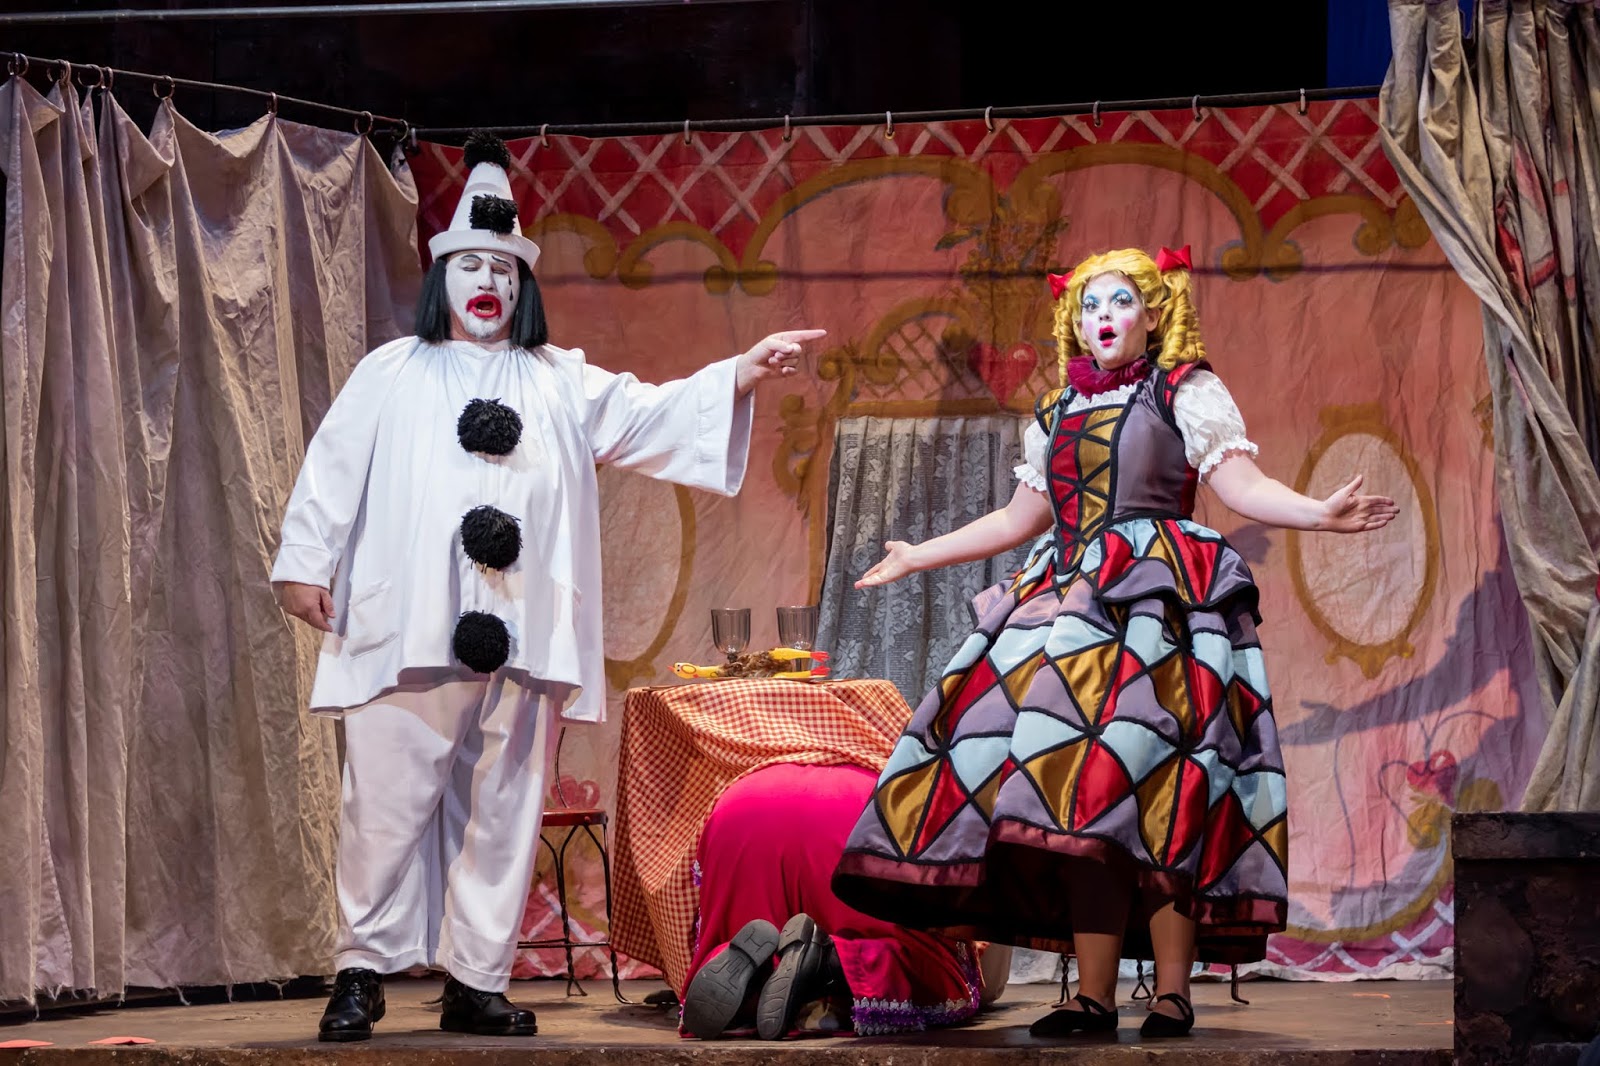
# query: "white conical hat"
486,179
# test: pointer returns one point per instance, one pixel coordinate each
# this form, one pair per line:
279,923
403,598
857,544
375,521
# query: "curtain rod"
442,7
17,65
365,121
736,125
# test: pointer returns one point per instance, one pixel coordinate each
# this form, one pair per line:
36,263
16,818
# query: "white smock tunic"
444,777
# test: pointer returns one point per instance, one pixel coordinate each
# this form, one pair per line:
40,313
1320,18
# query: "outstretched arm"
1240,484
1026,516
694,431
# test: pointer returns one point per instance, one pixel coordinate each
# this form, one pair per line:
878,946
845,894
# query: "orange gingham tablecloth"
682,745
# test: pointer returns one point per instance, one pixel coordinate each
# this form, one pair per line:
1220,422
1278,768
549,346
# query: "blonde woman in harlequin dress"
1098,769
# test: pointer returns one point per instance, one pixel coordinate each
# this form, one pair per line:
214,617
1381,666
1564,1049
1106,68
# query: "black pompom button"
482,642
489,426
491,537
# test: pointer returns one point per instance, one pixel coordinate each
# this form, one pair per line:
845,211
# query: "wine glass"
730,630
797,627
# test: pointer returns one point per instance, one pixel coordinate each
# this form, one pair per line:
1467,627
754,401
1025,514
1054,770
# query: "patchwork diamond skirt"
1117,713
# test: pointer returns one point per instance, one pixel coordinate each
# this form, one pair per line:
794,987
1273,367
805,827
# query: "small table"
682,745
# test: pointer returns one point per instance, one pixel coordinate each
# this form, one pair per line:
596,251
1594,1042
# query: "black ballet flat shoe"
355,1006
800,976
1159,1026
467,1010
1095,1017
722,986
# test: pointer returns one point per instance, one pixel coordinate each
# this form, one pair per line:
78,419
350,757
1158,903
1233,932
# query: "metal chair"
591,821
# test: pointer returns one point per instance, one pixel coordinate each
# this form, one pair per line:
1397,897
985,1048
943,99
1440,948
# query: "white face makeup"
482,289
1113,323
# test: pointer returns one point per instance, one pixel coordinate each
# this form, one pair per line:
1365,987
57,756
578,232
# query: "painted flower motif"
570,791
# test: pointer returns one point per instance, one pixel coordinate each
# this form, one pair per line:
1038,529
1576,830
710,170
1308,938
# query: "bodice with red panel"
1123,493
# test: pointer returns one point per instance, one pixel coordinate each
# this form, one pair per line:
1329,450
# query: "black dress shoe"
1095,1017
1157,1025
717,995
355,1006
801,975
466,1010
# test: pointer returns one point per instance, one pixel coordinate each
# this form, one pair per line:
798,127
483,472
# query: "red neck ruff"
1086,377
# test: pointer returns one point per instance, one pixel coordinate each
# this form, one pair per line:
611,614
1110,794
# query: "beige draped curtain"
178,309
1497,140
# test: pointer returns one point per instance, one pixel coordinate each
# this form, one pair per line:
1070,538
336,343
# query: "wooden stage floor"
1370,1023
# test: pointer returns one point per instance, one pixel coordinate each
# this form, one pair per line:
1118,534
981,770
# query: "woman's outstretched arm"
1025,517
1240,484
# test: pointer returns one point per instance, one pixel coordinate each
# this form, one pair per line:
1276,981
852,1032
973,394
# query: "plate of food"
779,664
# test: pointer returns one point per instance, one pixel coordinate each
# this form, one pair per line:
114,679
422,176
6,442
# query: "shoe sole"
345,1036
484,1030
1177,1030
798,957
721,986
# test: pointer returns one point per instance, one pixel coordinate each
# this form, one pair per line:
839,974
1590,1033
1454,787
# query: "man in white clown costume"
445,534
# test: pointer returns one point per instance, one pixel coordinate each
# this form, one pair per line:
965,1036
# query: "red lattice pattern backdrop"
725,182
1344,333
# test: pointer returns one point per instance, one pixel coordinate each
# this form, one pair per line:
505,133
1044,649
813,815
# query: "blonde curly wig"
1177,330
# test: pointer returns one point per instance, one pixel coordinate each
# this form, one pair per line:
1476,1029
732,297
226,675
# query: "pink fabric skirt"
769,850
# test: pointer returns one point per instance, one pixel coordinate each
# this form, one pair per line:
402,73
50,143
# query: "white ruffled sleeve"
1212,427
1031,470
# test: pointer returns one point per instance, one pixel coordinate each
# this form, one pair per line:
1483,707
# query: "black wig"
528,327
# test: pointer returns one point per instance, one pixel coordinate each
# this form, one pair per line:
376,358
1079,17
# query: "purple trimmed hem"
876,1017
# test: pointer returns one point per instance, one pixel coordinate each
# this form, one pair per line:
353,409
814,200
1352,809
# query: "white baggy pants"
443,795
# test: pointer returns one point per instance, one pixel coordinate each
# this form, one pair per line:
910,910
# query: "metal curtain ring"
111,77
685,131
1094,113
99,76
172,87
888,125
17,65
988,117
544,135
363,123
1302,101
63,72
788,131
272,103
1195,106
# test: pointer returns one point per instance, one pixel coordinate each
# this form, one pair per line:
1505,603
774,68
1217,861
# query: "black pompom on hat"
482,642
489,426
484,147
493,213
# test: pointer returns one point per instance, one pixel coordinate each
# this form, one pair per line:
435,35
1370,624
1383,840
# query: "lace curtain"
910,479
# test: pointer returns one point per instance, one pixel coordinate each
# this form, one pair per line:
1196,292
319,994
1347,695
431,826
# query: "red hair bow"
1166,259
1058,284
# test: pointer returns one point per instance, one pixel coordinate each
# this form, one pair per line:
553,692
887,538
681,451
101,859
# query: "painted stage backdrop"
1399,660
